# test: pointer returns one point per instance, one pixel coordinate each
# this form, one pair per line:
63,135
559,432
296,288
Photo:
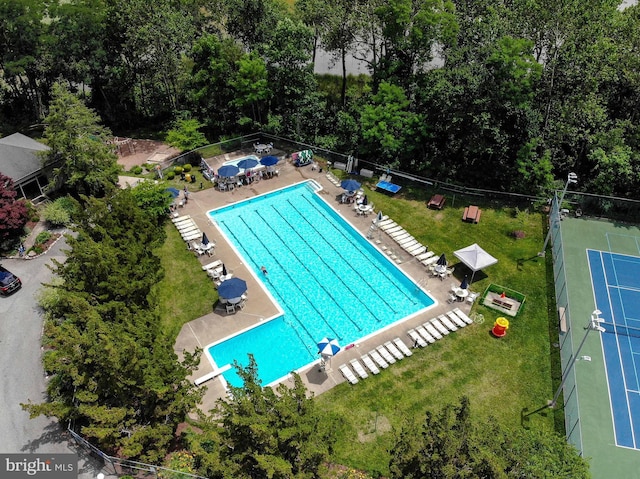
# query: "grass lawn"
501,376
185,293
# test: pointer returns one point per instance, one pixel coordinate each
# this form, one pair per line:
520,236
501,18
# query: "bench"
437,202
340,166
502,303
366,173
472,214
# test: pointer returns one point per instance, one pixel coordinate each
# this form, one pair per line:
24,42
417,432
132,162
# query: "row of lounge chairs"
190,232
380,357
333,179
437,328
405,240
393,351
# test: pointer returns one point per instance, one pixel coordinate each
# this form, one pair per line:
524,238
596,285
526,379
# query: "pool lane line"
292,280
337,276
279,295
349,239
319,283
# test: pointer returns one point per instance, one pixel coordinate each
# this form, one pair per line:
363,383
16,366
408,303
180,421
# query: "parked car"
9,282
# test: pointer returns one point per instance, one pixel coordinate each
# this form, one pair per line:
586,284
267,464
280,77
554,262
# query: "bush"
171,175
186,168
56,213
519,234
43,237
32,212
178,169
136,170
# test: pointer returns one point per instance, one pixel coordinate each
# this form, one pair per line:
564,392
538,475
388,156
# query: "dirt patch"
132,152
374,427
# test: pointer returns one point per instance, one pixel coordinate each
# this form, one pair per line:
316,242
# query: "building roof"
18,156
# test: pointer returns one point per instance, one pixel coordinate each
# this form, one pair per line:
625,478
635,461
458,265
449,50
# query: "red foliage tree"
13,213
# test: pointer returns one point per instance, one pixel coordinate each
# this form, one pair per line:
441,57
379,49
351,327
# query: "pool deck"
218,325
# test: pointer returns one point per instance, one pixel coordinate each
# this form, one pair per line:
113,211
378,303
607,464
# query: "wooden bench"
472,214
502,303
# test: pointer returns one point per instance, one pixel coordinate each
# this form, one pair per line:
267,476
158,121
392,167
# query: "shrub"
43,237
136,170
519,234
186,168
56,213
178,170
32,212
171,175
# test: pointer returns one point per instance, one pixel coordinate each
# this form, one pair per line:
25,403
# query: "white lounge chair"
425,334
357,367
348,374
368,362
416,338
433,259
375,355
181,218
463,316
400,235
384,222
425,255
188,229
392,228
432,330
408,242
394,350
213,264
416,249
447,322
186,221
384,352
402,347
456,319
439,326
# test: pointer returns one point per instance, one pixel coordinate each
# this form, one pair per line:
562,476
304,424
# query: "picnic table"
437,202
471,214
261,148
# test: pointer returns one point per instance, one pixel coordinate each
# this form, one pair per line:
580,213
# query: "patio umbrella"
350,185
232,288
247,163
175,192
465,283
269,160
379,217
205,240
328,347
442,260
365,200
227,171
224,270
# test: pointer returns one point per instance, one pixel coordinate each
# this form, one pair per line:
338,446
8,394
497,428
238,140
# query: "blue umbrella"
227,171
205,240
269,160
232,288
328,347
465,283
442,260
247,163
350,185
175,192
379,217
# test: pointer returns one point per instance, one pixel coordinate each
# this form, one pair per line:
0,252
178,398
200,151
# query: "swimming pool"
327,278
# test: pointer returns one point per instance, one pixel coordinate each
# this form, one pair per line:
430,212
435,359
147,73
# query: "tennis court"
616,288
597,266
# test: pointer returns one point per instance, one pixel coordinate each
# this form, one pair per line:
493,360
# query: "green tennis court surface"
602,410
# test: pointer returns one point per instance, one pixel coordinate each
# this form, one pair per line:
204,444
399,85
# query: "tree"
76,138
13,213
153,198
185,134
264,433
113,372
452,445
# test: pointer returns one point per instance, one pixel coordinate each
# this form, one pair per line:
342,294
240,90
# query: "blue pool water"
327,278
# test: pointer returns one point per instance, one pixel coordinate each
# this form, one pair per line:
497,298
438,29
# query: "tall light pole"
571,178
592,325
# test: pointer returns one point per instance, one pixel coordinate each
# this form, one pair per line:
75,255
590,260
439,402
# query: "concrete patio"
217,325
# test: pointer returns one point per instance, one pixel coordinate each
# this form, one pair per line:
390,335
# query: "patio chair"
472,297
357,367
348,374
384,352
402,347
394,350
416,338
368,362
375,355
231,308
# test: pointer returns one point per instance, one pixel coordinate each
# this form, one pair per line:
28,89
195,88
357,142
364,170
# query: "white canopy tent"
475,258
